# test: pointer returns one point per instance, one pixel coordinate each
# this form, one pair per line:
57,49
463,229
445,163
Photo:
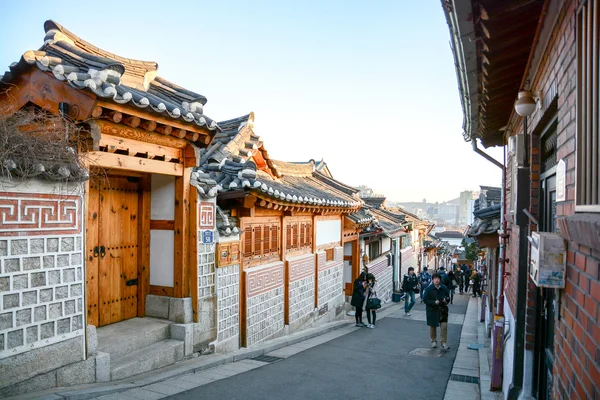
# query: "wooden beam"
115,116
164,129
162,225
148,125
159,120
123,162
182,202
180,133
144,245
102,127
249,201
114,143
132,121
161,290
97,112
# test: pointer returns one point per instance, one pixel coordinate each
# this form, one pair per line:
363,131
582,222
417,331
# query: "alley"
348,363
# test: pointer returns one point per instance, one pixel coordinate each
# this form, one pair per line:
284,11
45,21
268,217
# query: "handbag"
373,303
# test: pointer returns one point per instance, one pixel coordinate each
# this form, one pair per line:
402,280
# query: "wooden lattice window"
298,235
261,241
588,141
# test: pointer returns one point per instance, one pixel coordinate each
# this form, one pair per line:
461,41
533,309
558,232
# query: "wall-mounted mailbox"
228,253
548,259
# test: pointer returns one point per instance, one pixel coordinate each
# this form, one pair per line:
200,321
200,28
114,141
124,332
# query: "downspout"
522,208
485,155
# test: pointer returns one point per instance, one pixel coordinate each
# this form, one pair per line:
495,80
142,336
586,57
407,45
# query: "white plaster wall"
162,200
329,231
386,244
162,246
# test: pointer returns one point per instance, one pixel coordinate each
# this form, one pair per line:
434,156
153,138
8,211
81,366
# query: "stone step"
155,356
131,335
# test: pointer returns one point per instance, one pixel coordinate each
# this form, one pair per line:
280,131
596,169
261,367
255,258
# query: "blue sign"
207,237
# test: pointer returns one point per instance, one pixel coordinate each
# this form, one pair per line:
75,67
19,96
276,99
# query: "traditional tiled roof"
375,202
361,218
449,235
390,223
487,212
237,160
111,77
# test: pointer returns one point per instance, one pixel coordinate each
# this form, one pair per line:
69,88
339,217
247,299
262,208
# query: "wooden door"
113,241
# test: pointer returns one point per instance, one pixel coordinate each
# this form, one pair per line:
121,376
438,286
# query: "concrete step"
155,356
131,335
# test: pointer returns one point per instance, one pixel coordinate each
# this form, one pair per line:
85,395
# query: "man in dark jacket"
436,301
410,285
466,276
358,298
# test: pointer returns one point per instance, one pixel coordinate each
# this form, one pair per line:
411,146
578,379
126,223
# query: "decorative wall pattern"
207,215
228,295
378,266
41,272
206,269
331,278
301,286
385,285
263,279
265,303
33,214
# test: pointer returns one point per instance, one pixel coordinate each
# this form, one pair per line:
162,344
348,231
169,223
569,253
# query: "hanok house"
281,238
528,73
84,260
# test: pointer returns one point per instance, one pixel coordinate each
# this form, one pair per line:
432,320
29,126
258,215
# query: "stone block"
55,310
10,301
29,298
37,383
14,339
12,265
77,322
20,282
77,373
102,367
79,274
3,248
92,340
6,321
30,263
18,247
4,284
180,310
46,295
76,290
52,245
53,277
157,306
62,260
38,279
63,326
47,330
69,307
67,244
78,243
23,317
61,292
36,246
185,333
1,341
39,314
32,334
69,275
48,261
76,259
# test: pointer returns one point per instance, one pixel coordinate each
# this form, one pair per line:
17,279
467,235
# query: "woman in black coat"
436,301
358,298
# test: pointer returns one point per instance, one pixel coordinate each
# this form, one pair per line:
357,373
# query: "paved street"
353,365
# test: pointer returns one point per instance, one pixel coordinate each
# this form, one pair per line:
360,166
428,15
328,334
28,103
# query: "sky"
368,87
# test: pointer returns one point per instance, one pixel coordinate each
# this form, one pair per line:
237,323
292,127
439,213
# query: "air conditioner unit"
516,148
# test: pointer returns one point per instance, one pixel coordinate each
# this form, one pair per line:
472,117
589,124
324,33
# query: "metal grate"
464,378
267,359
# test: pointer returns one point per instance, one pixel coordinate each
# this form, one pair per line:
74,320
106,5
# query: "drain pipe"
485,155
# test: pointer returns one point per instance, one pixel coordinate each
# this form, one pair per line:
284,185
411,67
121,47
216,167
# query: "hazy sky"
368,86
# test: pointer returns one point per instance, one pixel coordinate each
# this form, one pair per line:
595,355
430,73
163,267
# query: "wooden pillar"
144,245
193,250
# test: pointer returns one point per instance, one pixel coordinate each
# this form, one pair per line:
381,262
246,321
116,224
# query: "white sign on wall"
561,181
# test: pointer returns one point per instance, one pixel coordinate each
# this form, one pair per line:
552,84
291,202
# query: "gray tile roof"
111,77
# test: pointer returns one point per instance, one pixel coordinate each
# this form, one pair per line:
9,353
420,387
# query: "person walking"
452,284
436,309
459,280
476,278
358,298
410,285
466,277
424,281
443,276
369,304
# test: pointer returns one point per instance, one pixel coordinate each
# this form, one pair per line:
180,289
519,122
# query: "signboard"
548,260
207,237
561,172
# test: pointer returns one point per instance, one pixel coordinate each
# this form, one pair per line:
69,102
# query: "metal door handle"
96,251
102,251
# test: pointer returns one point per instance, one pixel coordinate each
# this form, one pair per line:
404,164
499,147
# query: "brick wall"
265,302
301,286
228,300
41,269
331,279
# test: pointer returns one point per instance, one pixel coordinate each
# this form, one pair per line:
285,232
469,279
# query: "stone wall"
264,302
301,286
331,279
41,271
228,302
383,272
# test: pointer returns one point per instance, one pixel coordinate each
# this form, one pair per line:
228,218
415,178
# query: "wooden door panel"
91,262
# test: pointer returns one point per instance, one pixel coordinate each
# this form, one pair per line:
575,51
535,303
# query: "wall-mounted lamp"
525,104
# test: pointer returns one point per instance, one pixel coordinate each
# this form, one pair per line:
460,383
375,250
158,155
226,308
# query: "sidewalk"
199,371
470,378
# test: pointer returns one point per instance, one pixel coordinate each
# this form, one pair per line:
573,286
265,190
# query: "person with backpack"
410,285
436,303
452,284
476,278
372,302
424,281
443,276
358,298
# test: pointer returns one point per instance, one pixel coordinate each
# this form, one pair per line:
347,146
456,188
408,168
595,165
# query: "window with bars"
588,167
374,249
298,235
261,242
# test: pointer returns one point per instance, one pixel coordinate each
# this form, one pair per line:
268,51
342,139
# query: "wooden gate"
112,240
